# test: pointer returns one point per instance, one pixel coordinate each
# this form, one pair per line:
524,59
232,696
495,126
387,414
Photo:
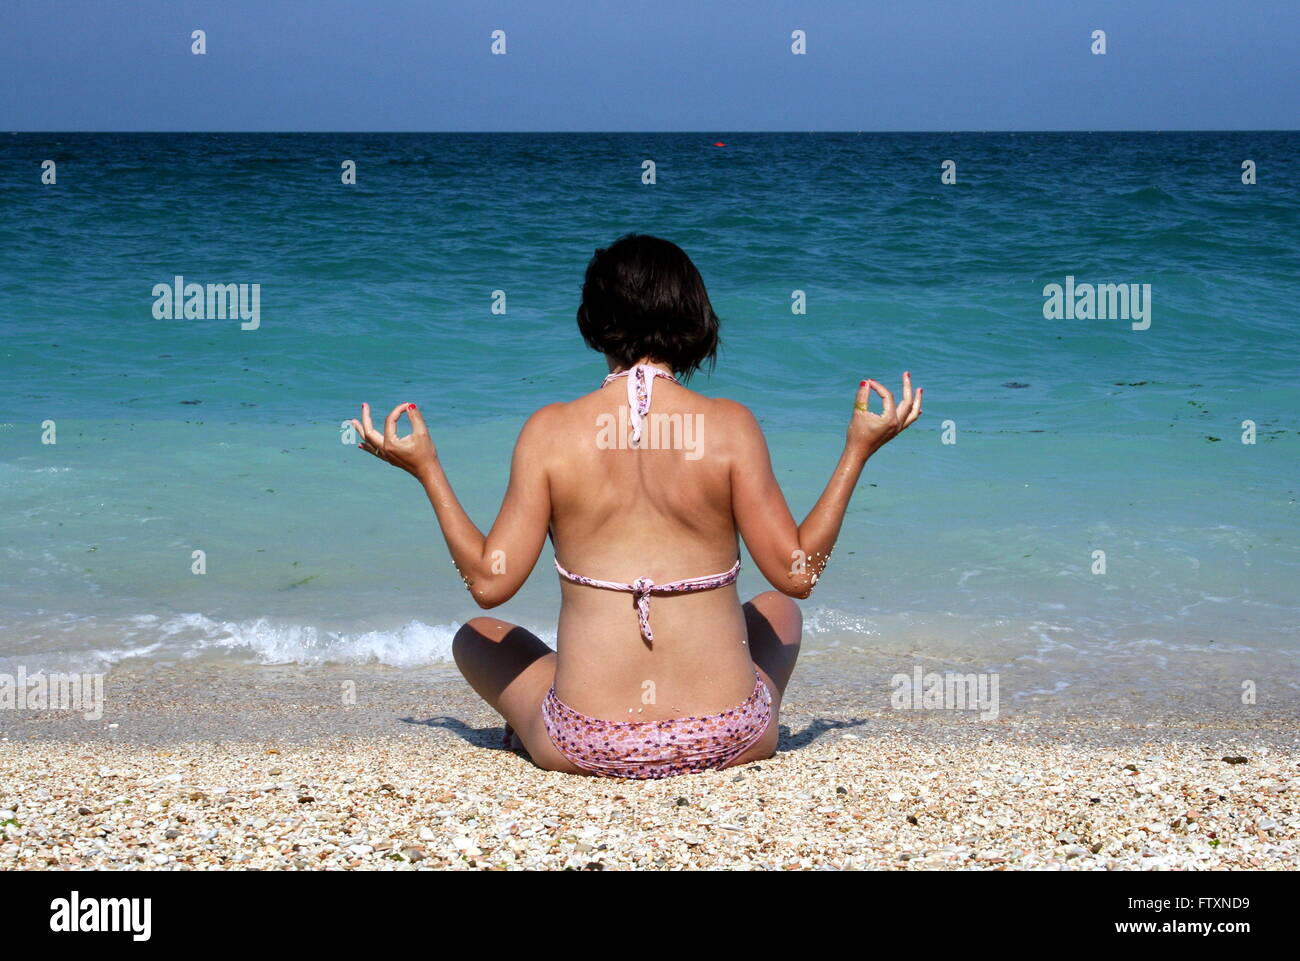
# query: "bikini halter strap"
640,388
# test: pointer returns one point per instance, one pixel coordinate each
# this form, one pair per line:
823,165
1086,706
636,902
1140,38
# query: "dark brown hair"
643,298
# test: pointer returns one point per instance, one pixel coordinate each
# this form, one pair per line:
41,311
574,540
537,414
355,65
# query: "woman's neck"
616,368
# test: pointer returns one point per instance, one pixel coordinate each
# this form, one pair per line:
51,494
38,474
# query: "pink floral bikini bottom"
657,749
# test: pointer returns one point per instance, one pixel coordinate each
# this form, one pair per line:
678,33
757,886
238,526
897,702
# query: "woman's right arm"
519,531
793,557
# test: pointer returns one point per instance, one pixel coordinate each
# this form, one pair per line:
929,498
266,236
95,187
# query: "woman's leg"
512,669
775,626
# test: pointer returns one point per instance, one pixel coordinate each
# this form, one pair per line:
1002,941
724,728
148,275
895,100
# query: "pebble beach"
265,773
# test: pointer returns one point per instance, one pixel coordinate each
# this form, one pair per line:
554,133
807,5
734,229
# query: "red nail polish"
862,384
411,407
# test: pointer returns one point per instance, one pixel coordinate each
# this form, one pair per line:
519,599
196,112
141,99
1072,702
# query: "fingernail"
411,407
907,373
862,384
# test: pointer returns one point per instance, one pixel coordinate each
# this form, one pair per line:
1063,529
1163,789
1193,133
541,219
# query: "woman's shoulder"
724,419
546,418
731,415
732,428
554,419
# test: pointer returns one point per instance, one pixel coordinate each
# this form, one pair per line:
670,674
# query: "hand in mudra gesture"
868,431
415,453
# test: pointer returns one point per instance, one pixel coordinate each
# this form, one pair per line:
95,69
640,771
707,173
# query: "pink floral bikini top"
640,387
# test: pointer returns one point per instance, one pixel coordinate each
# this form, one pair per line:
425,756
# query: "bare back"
663,511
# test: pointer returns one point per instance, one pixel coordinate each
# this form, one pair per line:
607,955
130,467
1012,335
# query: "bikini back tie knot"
640,384
641,588
640,390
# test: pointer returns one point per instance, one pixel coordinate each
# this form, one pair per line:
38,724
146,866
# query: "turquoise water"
1072,436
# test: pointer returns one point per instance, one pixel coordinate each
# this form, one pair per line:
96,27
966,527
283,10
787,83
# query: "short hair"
643,298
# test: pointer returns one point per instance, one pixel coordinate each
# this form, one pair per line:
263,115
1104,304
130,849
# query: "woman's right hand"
868,432
415,453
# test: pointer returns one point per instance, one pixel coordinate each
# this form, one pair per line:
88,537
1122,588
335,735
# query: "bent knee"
489,627
782,613
476,631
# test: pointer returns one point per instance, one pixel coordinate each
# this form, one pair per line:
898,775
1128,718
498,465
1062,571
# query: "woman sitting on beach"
643,486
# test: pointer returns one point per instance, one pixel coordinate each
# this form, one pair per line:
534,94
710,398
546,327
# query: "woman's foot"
511,740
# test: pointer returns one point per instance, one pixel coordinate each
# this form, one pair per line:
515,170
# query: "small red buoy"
718,143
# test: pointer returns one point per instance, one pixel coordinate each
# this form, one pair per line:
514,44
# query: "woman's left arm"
493,567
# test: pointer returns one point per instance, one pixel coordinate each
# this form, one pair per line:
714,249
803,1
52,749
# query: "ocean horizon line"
711,132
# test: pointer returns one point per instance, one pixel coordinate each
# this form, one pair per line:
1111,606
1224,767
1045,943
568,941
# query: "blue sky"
705,65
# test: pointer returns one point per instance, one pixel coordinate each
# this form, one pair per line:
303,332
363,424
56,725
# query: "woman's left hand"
868,432
414,453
